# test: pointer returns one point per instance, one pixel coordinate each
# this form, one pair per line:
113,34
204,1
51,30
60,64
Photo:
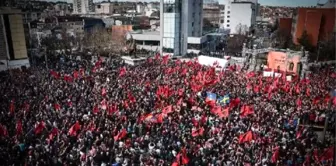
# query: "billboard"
281,61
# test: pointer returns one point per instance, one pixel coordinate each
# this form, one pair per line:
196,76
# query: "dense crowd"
163,112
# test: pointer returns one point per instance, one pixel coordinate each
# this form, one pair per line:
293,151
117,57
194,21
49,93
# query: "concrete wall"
241,13
311,19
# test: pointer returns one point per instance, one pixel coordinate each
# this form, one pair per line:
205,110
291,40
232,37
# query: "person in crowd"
161,113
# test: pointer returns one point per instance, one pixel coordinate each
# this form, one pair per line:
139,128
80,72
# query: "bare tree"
241,29
281,39
235,43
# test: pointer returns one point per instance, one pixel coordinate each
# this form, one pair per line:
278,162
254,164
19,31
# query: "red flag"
250,74
256,89
179,102
122,71
39,128
175,164
168,109
103,92
182,157
334,101
75,74
216,109
297,89
3,131
234,103
55,74
74,128
157,56
53,133
103,104
159,118
12,107
19,127
248,86
91,126
316,100
224,113
308,91
120,135
81,71
57,107
165,59
246,110
333,75
150,60
112,109
131,98
299,133
326,99
197,132
275,155
299,103
247,137
307,161
328,154
67,78
95,109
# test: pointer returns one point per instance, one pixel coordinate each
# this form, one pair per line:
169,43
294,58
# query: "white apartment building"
179,20
83,6
104,8
240,15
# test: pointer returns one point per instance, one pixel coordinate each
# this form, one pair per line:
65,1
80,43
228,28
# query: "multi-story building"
221,16
12,37
104,8
62,9
83,6
319,23
240,15
179,19
29,16
211,12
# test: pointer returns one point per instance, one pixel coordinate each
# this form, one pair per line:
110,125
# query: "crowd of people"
163,112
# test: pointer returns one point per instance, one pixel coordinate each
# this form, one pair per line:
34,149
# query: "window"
171,7
228,16
228,12
291,66
228,25
192,24
227,21
221,21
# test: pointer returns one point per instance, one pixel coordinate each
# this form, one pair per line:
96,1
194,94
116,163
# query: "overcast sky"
262,2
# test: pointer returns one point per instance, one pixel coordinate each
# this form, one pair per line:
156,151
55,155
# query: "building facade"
12,37
179,19
240,15
104,8
319,23
211,12
83,6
